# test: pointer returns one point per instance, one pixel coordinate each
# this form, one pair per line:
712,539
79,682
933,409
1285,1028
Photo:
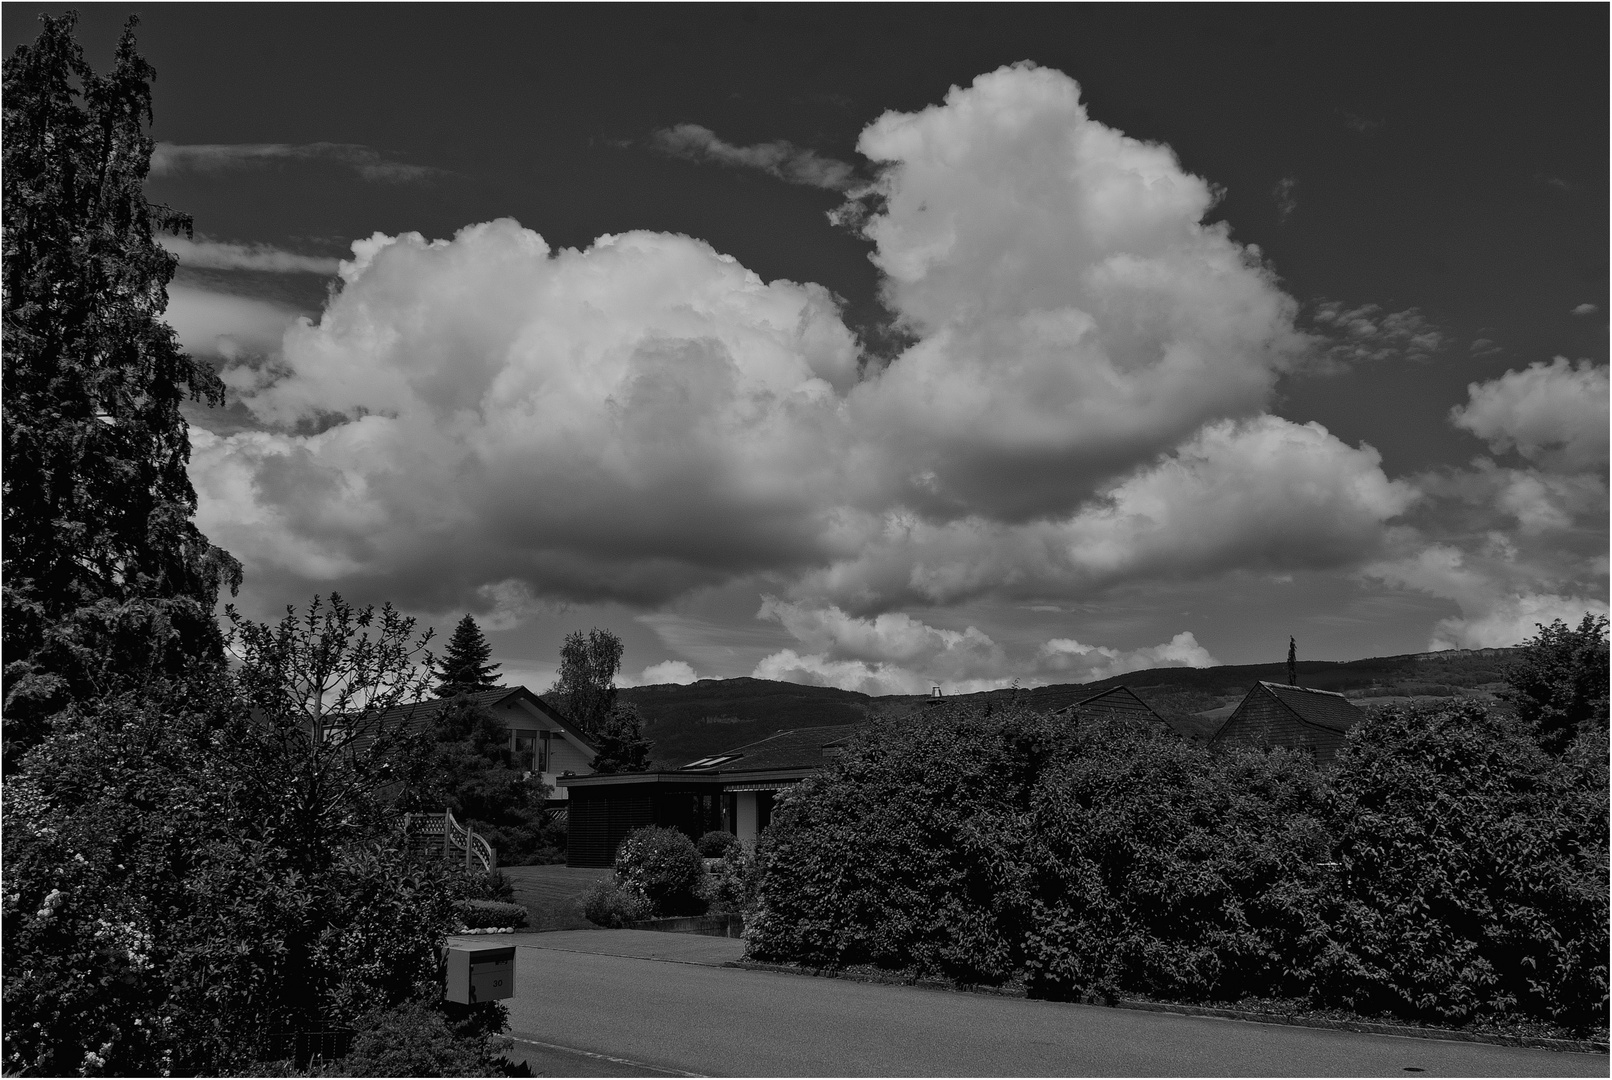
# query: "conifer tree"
466,664
106,577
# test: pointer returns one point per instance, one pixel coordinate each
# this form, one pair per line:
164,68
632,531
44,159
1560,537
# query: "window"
525,744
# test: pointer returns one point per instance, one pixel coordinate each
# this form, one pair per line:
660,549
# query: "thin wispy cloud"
1585,309
1286,199
169,159
780,158
207,254
1360,125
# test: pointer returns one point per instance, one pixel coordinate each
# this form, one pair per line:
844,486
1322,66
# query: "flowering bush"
611,905
663,866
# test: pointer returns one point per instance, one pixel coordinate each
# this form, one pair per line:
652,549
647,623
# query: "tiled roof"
1320,707
1116,699
798,748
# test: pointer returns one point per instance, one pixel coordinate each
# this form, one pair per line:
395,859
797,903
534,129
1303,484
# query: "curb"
1366,1027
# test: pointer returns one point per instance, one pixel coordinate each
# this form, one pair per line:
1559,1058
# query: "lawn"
552,895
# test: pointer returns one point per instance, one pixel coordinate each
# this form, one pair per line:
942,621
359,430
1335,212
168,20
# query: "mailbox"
480,973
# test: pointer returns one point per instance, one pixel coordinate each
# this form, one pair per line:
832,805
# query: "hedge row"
1443,868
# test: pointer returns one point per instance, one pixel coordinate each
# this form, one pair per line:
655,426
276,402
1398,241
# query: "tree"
1558,683
465,665
586,688
106,576
1292,662
622,746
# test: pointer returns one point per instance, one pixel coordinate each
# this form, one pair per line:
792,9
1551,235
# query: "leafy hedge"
1445,867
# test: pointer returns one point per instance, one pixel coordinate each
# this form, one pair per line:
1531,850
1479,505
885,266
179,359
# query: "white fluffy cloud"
667,671
219,324
897,654
1553,414
487,422
1500,597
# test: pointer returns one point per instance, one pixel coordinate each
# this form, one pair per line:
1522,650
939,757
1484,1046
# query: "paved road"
636,1003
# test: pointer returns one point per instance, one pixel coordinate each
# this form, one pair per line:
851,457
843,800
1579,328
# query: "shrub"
490,886
731,886
661,865
715,844
486,914
611,905
1474,869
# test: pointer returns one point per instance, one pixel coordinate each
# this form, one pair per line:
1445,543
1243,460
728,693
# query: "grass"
552,895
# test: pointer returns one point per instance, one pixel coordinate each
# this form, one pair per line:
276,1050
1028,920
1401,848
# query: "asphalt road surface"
636,1003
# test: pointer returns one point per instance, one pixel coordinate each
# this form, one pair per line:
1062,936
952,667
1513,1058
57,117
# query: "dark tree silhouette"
1292,662
466,664
1559,681
106,576
622,746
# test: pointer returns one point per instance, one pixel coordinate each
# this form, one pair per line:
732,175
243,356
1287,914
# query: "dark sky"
1445,163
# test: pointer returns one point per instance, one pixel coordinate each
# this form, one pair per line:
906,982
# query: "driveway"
639,1003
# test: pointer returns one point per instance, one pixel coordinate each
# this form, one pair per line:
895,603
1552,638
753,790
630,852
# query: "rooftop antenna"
1292,662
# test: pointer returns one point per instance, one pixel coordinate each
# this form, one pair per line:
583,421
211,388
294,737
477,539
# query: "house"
542,740
1275,714
733,790
1117,702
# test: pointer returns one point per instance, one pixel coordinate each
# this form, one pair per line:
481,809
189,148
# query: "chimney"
934,691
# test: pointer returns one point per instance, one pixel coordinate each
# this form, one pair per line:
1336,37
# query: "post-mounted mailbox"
480,973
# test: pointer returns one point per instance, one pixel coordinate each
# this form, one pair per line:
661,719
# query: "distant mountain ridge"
686,722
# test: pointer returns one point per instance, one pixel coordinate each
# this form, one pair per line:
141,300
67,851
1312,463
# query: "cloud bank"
486,422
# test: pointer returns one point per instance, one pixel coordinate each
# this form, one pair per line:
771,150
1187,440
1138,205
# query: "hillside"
688,722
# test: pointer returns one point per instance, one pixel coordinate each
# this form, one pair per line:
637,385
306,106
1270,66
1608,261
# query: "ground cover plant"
1449,867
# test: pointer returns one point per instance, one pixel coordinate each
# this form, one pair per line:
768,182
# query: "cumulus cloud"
897,654
668,671
169,159
1265,493
1499,605
779,158
1552,414
211,323
483,421
1585,309
207,254
1369,334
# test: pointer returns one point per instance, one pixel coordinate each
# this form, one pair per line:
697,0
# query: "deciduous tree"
586,688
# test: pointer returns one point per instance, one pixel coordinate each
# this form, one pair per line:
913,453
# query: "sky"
885,347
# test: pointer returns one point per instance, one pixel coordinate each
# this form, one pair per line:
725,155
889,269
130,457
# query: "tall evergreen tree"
106,575
466,664
586,689
1292,662
622,746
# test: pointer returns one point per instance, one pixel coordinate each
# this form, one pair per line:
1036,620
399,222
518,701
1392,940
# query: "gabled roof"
418,715
1116,699
1320,707
798,748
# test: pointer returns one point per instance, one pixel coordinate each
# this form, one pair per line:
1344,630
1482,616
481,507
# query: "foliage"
1473,869
1445,867
490,886
732,885
661,865
466,665
613,905
716,843
481,914
417,1039
469,769
621,742
190,871
586,688
105,576
1558,682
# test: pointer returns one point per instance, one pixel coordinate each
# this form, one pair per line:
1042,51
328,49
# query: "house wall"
565,756
1261,720
600,819
745,826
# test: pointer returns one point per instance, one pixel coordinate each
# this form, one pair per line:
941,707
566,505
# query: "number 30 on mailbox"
480,973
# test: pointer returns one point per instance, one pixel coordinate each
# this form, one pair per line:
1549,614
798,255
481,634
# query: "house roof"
417,715
1320,707
1116,699
797,748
